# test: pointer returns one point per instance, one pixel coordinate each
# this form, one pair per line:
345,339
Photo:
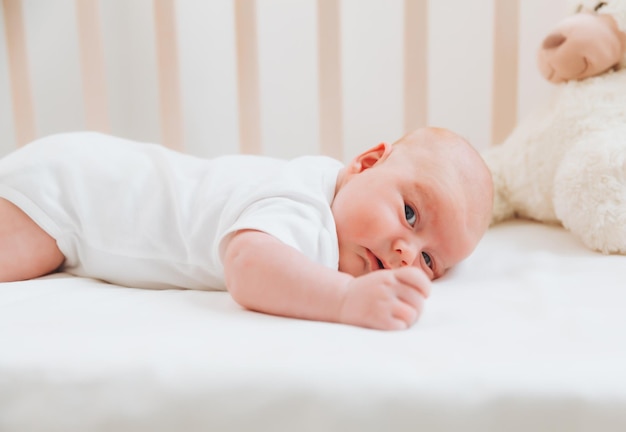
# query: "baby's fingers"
411,297
414,278
407,313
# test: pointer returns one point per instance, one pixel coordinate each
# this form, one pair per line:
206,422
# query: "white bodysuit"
142,215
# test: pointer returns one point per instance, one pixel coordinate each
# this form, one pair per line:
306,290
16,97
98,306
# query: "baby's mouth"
375,262
380,263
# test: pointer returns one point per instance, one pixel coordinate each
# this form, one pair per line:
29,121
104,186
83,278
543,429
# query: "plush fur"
566,162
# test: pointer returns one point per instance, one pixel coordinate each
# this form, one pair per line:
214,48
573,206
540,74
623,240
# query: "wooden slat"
330,85
168,74
415,64
92,66
505,72
248,77
19,72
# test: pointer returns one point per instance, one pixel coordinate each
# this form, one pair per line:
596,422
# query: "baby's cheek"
354,227
360,229
380,222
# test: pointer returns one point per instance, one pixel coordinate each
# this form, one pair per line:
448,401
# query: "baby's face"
408,209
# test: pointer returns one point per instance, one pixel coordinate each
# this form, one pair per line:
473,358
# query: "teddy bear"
565,163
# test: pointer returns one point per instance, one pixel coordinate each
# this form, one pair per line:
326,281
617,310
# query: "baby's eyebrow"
413,191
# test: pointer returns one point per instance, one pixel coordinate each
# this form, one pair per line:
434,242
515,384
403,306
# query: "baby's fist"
385,299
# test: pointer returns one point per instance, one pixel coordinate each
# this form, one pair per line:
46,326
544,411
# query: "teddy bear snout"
554,40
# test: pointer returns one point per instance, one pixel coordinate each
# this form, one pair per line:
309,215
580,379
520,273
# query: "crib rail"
23,110
420,36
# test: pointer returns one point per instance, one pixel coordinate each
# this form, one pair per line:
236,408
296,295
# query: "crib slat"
19,72
331,100
248,77
415,68
92,66
168,74
505,73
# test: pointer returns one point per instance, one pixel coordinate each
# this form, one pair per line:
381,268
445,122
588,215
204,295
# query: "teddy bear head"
588,43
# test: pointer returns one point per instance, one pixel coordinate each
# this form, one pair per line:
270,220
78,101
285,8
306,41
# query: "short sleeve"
294,207
299,225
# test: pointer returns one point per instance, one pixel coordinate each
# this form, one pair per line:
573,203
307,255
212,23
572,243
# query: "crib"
524,335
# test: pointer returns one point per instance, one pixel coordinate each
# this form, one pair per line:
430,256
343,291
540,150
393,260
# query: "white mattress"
528,334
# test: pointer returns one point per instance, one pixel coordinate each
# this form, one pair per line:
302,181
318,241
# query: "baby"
308,238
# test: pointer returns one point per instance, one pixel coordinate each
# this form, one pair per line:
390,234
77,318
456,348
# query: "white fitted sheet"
527,334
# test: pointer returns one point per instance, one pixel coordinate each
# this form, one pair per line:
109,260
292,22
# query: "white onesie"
142,215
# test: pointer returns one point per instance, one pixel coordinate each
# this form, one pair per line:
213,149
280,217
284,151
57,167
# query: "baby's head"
425,201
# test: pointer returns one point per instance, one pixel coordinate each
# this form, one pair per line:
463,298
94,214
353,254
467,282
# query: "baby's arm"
266,275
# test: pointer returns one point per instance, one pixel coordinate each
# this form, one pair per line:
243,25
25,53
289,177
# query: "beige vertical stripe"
168,76
19,74
506,34
92,65
248,77
415,66
330,96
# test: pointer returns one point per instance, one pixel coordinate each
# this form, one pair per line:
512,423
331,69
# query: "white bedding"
528,334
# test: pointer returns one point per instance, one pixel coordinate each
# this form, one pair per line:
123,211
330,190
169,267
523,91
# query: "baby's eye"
599,5
428,260
410,215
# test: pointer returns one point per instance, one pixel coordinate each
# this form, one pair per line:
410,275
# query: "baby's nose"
553,40
406,253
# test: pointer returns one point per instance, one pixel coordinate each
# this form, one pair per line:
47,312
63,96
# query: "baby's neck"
341,179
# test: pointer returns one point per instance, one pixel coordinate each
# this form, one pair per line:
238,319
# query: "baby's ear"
371,157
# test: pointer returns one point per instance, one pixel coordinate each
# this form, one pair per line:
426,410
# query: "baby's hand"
385,299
